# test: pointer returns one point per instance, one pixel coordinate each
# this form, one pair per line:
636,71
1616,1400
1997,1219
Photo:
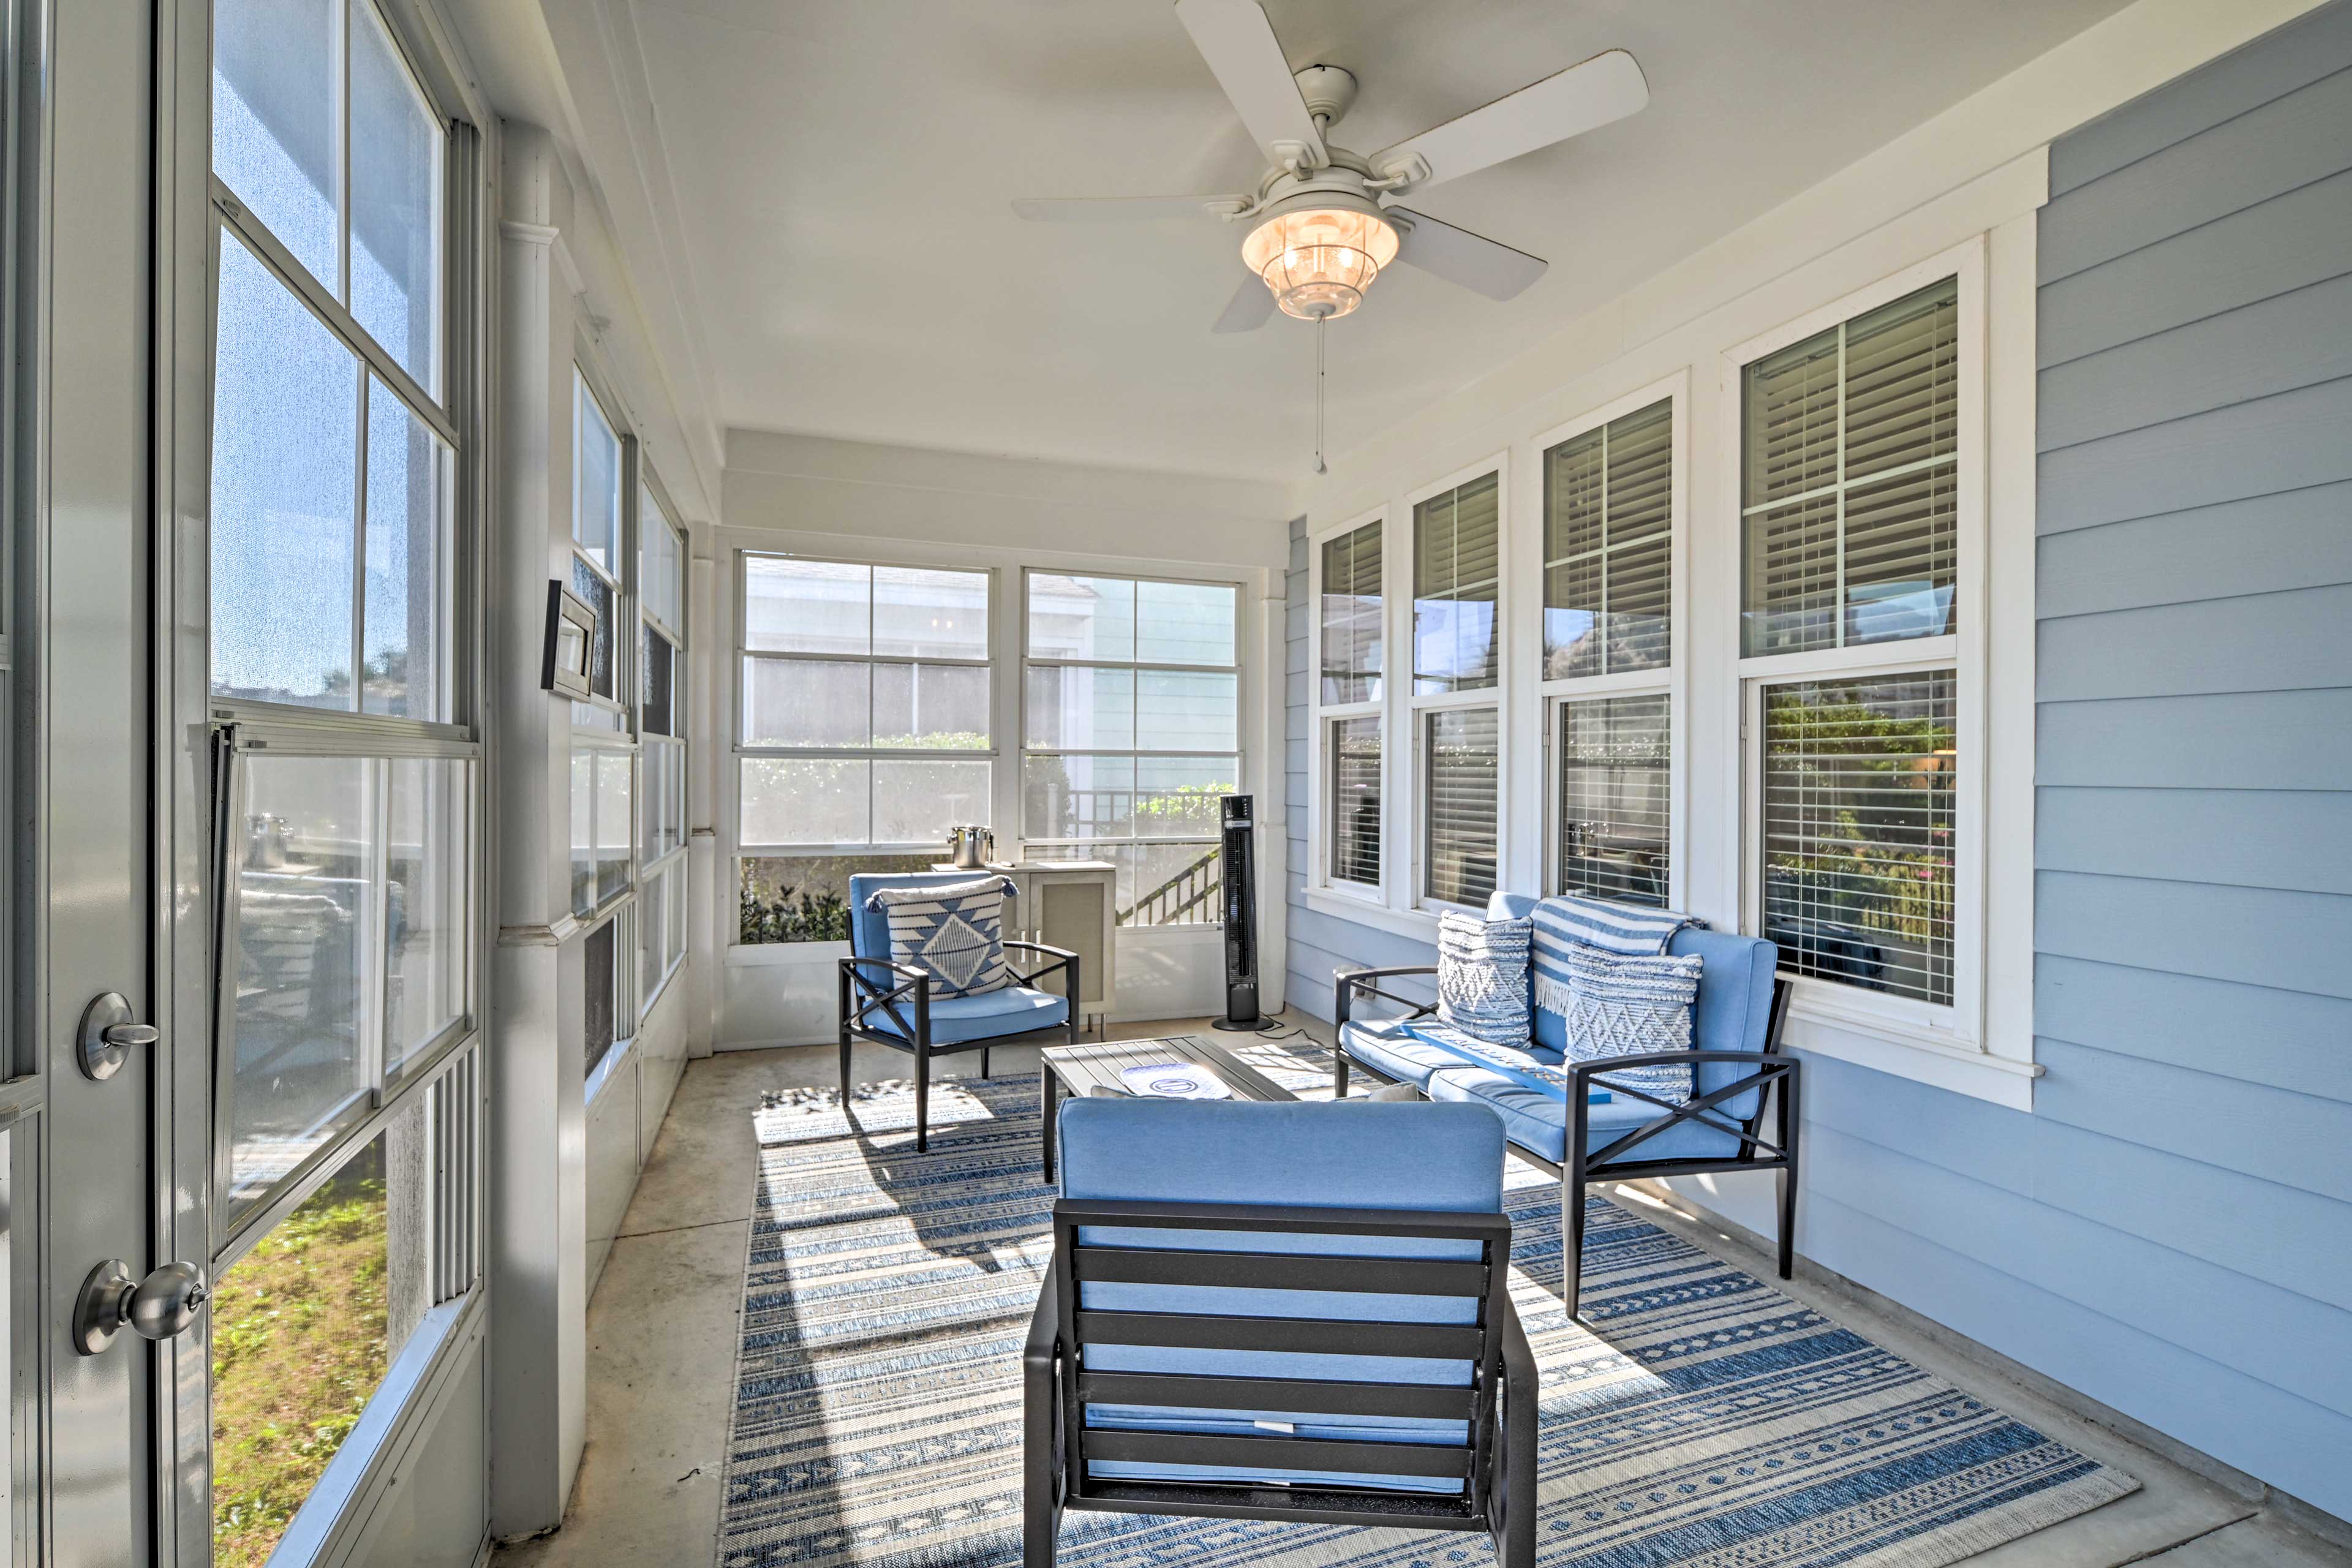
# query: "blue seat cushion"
1537,1122
991,1015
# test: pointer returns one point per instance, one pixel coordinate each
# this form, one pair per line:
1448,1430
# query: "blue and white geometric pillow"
1620,1005
956,931
1482,977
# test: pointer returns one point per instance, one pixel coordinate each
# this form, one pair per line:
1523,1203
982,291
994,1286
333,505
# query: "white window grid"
1325,717
1417,706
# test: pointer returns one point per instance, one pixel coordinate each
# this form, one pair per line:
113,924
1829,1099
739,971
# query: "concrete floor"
662,1342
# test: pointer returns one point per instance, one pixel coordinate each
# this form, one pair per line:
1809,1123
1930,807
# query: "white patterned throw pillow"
1482,977
955,932
1622,1006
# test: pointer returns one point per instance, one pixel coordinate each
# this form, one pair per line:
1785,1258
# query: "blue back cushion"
869,930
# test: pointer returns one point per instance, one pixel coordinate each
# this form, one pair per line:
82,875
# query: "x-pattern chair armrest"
1062,958
1768,1069
913,980
1352,982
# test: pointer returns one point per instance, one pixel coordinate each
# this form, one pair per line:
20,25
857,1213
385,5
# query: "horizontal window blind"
1355,800
1352,616
1614,753
1458,859
1859,830
1851,442
1456,576
1608,548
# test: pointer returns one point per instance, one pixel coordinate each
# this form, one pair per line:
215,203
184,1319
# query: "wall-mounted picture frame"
571,627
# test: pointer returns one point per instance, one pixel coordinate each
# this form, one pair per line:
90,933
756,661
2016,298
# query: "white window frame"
1672,682
1415,708
653,869
1322,716
1844,1020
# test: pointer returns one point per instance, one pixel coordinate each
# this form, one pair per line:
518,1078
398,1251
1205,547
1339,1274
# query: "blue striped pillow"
1482,977
1622,1005
956,932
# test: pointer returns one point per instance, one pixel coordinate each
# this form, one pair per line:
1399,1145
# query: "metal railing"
1187,890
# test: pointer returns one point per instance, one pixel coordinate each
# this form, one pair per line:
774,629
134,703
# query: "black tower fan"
1241,919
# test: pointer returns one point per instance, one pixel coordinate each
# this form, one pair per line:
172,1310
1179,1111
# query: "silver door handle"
107,1033
157,1308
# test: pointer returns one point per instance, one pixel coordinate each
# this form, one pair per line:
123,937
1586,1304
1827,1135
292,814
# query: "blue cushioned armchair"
1736,1059
890,1003
1281,1311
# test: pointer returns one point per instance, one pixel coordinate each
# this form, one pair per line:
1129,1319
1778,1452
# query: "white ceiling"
842,171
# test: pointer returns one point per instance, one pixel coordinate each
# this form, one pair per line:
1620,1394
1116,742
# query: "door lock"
107,1033
157,1308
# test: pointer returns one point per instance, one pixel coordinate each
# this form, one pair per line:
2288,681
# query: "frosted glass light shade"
1318,261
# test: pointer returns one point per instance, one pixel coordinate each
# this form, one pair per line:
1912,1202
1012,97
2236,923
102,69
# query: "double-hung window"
1609,535
604,749
863,731
1454,706
1853,463
346,1085
661,747
1130,732
1350,605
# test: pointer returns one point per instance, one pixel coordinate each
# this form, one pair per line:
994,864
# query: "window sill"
785,954
1416,925
1818,1026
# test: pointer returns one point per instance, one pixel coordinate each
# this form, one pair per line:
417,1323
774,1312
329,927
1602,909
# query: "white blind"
1355,800
1614,753
1458,861
1608,548
1456,569
1859,828
1352,616
1850,447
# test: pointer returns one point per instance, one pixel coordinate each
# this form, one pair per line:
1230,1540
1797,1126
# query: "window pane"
1613,833
1791,570
1858,825
408,566
1791,409
613,827
806,702
654,700
430,853
1181,710
806,606
1184,623
929,615
305,1326
1157,884
1456,567
1351,611
1177,797
1355,805
395,203
306,913
805,897
1080,709
673,822
653,937
285,458
915,801
600,957
1902,556
274,121
941,706
1902,381
583,831
1608,547
1078,798
804,800
1458,866
676,920
661,564
597,594
596,492
1081,618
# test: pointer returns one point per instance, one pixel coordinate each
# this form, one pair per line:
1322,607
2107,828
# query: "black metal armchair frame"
1496,1464
1773,1068
862,996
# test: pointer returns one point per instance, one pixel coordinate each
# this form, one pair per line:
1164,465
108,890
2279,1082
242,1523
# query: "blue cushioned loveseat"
1736,1059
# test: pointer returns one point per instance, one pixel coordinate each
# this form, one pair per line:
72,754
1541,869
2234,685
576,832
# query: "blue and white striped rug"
1711,1422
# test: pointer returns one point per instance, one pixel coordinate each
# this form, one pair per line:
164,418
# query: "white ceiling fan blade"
1486,266
1579,99
1250,308
1238,42
1123,209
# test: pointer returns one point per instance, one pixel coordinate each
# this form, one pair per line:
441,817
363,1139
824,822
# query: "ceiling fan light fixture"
1320,260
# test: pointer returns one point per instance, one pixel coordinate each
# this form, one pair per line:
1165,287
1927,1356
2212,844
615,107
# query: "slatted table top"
1080,1068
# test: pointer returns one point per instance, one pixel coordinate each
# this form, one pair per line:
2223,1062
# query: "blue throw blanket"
1565,921
1517,1065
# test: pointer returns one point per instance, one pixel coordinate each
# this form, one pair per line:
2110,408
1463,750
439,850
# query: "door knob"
107,1033
156,1308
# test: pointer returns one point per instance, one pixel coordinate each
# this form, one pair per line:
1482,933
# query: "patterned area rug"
1707,1421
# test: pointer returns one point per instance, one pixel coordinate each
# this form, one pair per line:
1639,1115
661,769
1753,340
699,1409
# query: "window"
1350,636
596,491
1850,479
862,722
1353,750
1456,628
1131,733
661,749
1609,652
346,1091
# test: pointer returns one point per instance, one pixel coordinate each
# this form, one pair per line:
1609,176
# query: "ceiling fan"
1325,221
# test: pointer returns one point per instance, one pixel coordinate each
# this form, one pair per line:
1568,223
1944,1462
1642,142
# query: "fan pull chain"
1319,322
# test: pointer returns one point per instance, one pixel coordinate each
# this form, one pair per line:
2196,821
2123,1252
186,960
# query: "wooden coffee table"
1074,1069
